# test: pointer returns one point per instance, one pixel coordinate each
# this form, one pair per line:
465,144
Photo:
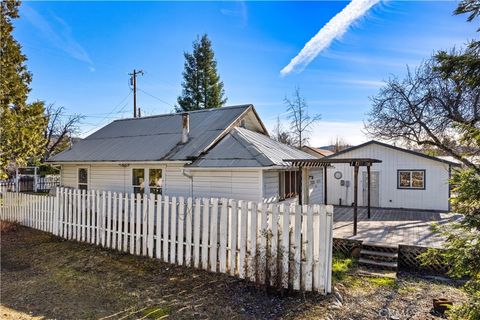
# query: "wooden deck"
391,226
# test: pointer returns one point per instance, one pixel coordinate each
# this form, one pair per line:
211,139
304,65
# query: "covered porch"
304,165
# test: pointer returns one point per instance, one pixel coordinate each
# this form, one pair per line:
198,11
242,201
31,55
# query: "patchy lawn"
45,276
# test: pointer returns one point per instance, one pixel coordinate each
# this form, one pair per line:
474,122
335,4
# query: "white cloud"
60,35
364,83
327,131
239,12
334,29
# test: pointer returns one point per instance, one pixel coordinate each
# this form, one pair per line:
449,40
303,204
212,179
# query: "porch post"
300,186
306,185
325,184
355,199
368,189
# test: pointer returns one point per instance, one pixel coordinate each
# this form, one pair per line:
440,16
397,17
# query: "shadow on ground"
43,275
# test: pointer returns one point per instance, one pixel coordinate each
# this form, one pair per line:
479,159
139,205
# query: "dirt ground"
45,277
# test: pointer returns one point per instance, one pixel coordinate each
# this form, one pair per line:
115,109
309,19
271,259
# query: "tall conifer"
21,124
202,87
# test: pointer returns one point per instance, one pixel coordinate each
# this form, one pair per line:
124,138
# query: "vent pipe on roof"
185,127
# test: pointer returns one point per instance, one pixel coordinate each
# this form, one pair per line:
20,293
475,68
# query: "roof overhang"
324,162
119,162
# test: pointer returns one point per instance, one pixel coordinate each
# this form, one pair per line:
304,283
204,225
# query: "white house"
224,152
404,178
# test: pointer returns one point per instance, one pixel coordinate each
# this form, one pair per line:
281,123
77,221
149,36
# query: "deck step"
380,245
391,255
375,263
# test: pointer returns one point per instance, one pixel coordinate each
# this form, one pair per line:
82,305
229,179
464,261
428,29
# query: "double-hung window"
82,178
147,180
155,181
411,179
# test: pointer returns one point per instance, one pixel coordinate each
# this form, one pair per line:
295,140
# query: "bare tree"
301,121
280,134
427,109
338,144
59,131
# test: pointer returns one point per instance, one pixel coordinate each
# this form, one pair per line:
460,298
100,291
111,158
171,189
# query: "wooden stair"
379,256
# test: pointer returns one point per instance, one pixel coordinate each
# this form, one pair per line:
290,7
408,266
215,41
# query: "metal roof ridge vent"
185,127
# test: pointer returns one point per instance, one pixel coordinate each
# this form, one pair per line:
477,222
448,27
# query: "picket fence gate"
285,246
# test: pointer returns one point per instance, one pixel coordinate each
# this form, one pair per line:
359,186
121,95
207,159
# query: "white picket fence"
270,244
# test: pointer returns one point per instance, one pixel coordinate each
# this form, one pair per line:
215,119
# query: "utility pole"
133,82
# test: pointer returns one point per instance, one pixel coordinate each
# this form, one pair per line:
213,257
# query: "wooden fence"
270,244
30,184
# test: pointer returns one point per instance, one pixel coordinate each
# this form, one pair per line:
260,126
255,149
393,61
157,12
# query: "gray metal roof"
245,148
155,138
416,153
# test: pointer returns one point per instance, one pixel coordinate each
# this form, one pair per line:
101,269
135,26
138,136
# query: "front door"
374,189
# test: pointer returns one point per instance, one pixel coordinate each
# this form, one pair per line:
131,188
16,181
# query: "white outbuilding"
403,179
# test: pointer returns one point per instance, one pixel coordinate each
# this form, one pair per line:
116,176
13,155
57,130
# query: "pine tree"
21,124
202,88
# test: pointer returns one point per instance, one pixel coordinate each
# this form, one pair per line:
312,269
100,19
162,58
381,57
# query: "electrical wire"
110,113
159,99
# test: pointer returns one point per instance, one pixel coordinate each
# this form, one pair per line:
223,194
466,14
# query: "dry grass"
6,227
45,276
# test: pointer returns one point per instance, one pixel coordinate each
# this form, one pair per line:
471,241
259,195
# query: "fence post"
205,231
17,181
35,180
158,227
188,231
223,235
243,238
181,222
329,232
56,211
253,241
196,233
213,235
173,230
166,205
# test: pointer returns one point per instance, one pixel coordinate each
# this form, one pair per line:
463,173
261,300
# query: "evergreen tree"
202,88
21,124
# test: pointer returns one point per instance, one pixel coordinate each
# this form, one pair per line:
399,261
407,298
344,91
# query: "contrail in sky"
334,28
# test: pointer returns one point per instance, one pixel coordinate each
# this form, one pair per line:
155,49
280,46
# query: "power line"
159,99
111,112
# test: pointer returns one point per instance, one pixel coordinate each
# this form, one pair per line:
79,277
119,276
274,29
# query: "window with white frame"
147,180
138,180
155,181
411,179
288,184
82,178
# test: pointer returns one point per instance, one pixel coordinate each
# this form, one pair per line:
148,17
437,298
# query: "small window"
82,178
288,184
138,180
411,179
155,181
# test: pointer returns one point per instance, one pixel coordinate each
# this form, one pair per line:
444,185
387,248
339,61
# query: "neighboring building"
317,152
404,179
224,152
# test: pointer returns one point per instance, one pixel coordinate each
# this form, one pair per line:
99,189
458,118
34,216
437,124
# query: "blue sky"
80,54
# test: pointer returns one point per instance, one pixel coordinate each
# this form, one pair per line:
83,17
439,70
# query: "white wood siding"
316,186
232,184
434,197
270,186
271,181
